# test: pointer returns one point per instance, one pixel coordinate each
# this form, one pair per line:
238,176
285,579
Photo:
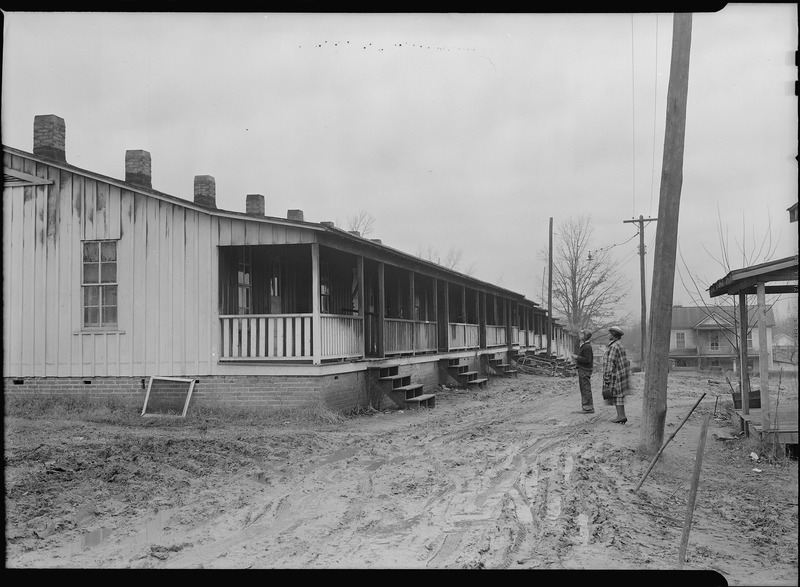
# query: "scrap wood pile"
550,367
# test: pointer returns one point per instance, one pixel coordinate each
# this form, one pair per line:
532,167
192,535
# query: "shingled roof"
688,317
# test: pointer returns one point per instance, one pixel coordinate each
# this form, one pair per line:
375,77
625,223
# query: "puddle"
553,506
372,466
583,527
153,531
339,455
569,464
87,540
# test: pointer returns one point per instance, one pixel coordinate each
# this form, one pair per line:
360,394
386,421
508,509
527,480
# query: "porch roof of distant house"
745,280
712,317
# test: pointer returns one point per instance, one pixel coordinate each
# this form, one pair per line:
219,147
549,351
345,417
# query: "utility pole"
550,295
641,222
654,406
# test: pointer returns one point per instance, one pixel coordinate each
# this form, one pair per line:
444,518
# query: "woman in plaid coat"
616,374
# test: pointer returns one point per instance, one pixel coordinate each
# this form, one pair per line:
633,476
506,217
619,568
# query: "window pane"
91,296
91,252
110,316
110,295
90,317
91,273
108,251
108,272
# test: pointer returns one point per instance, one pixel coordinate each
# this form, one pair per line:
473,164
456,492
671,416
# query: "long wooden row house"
107,282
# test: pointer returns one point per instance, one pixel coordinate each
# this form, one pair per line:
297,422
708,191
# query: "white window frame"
104,288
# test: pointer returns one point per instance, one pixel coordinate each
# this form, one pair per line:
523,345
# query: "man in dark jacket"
585,362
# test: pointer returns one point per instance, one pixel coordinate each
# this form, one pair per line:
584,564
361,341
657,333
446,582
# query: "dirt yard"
508,477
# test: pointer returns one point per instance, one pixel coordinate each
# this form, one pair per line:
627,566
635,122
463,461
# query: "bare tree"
362,222
452,259
727,317
588,286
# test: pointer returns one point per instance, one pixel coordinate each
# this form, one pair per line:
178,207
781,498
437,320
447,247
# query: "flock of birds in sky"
326,44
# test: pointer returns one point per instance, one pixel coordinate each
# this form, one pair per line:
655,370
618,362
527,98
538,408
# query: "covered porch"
312,303
773,277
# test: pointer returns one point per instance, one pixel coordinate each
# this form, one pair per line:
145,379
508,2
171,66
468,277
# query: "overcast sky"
454,131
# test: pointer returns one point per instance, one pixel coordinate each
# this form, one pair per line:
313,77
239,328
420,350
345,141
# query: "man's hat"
616,330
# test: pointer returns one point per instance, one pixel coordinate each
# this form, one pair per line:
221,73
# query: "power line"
633,124
655,101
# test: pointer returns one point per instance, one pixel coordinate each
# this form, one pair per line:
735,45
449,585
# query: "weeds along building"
107,282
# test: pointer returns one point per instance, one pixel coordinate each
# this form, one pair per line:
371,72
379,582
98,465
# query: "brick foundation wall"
340,393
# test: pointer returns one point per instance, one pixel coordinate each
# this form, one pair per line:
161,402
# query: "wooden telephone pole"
641,222
550,295
654,407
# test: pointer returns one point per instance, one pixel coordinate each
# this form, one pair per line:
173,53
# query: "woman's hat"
616,330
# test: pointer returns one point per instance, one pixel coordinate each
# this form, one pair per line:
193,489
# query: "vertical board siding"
29,241
136,239
177,280
125,293
75,235
66,275
164,285
152,342
39,279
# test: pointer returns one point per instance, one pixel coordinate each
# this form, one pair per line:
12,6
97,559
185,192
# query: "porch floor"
786,428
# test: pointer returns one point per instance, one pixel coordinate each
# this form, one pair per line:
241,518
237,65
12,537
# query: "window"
99,284
324,288
750,340
244,280
680,340
714,341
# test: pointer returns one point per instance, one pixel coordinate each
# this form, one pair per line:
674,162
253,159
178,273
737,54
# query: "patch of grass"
117,411
80,406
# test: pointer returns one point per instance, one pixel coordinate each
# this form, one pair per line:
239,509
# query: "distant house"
107,282
784,349
705,338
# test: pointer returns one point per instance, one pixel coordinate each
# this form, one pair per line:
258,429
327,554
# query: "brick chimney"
294,215
49,137
205,191
255,205
328,223
137,168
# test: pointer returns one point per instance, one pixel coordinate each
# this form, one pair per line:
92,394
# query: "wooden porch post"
446,310
744,380
763,361
412,317
362,311
482,319
381,309
507,304
316,320
436,309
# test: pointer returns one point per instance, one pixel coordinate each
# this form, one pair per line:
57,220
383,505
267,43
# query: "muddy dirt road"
510,477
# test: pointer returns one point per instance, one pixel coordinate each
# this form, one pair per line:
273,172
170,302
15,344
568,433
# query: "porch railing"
397,336
425,336
289,336
463,336
408,336
342,336
495,335
266,336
